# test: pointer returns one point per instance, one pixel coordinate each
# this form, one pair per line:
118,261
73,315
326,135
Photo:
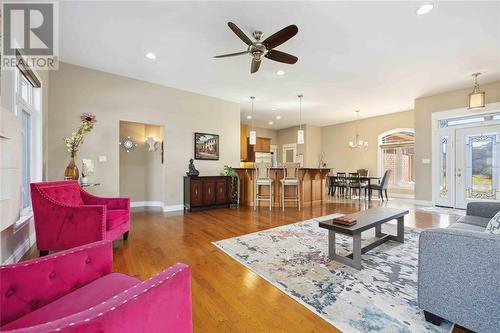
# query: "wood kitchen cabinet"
207,192
262,145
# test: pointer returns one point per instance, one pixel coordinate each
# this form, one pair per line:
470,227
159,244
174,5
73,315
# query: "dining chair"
340,183
354,183
382,186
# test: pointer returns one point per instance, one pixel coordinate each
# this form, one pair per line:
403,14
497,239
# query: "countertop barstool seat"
290,178
262,179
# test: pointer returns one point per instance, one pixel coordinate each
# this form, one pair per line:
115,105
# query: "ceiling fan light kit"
258,49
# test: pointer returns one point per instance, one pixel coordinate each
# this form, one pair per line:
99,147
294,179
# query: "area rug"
382,297
442,210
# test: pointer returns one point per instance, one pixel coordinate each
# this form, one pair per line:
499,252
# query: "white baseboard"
172,208
401,195
146,204
423,203
21,250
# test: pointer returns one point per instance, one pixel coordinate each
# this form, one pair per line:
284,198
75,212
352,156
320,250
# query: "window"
26,157
28,110
397,153
469,120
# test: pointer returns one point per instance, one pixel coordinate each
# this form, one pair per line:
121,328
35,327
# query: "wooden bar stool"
262,179
290,178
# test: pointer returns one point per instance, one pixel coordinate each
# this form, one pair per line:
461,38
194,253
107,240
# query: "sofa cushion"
493,226
115,217
64,194
81,299
465,226
474,220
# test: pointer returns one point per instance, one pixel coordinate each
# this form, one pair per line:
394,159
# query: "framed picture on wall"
206,146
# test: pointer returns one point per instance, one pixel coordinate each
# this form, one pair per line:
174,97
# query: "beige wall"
14,243
265,133
335,141
313,146
112,98
424,107
287,136
140,169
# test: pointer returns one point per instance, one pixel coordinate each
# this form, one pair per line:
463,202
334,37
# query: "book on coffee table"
344,220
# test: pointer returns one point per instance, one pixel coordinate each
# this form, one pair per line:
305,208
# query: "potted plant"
74,142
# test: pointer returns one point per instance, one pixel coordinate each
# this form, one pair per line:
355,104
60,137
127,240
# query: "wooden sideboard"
204,192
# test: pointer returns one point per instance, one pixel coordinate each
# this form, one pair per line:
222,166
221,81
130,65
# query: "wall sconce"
151,143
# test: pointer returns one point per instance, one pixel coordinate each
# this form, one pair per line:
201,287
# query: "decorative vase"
84,180
71,171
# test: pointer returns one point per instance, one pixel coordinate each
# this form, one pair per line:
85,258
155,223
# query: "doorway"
468,165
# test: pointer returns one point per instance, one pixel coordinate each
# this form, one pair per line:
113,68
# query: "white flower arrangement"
87,167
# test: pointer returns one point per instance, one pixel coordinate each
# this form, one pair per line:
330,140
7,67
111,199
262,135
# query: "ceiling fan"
265,48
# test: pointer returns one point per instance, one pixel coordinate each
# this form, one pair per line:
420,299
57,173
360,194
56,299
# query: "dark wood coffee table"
366,219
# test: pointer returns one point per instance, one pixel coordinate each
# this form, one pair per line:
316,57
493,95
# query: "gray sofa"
459,272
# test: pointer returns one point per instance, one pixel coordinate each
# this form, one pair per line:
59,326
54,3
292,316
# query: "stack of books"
344,220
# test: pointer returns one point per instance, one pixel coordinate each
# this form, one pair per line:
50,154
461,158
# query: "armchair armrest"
458,277
483,209
110,203
159,304
68,226
31,284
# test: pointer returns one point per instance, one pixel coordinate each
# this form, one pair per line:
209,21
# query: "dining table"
368,179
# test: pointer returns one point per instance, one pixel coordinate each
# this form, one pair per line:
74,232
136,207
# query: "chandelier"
358,143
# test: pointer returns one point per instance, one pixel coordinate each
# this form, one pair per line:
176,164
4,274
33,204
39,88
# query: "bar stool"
290,178
262,179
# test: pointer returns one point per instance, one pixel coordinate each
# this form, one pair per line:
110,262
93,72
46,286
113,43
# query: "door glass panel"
289,155
443,167
480,169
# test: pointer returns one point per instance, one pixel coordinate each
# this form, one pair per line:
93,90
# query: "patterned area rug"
441,210
382,297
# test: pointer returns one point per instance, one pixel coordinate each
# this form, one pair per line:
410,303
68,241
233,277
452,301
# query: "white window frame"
380,161
34,107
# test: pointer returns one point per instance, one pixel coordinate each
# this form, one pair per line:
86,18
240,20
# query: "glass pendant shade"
300,136
253,137
477,100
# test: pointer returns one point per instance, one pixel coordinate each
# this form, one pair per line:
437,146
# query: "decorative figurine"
192,170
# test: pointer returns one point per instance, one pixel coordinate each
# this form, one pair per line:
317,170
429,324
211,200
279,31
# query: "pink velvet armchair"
76,291
67,216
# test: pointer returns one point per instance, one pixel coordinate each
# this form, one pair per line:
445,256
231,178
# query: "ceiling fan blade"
281,57
255,66
230,54
280,37
239,33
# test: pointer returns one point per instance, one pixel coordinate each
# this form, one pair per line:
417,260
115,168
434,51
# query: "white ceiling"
373,56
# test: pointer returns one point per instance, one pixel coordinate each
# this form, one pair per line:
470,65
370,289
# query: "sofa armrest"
31,284
159,304
110,203
483,209
459,277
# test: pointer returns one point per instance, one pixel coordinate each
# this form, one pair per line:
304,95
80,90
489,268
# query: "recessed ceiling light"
278,117
424,9
270,123
274,109
280,72
249,117
150,55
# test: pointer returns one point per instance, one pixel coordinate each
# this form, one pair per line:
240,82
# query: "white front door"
477,166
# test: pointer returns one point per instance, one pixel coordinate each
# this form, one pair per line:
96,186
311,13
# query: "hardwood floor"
227,297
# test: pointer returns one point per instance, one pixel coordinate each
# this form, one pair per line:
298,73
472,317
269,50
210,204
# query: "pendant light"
253,134
477,98
358,143
300,132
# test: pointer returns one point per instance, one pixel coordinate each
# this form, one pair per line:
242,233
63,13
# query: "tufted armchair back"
32,284
66,192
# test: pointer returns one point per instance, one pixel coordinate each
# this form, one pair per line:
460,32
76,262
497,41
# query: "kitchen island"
312,186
